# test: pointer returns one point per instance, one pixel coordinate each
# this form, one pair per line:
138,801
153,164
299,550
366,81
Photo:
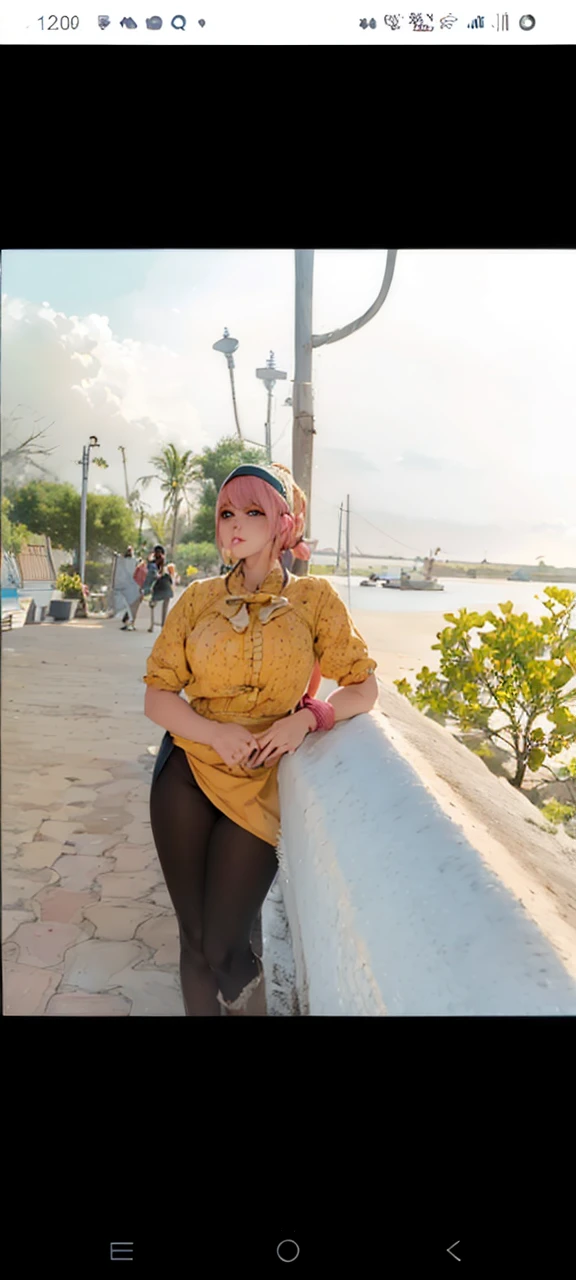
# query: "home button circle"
288,1250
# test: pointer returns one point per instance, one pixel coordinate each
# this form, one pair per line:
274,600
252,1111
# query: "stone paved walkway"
88,927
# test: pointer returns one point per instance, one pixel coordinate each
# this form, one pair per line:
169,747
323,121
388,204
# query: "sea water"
458,593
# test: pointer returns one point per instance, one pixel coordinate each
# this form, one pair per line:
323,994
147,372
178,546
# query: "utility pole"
123,452
348,551
269,376
339,534
228,346
93,444
302,404
303,430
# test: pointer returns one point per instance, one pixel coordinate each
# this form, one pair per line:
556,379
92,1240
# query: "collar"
235,605
273,583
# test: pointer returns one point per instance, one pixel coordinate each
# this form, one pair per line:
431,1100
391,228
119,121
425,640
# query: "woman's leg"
151,627
182,820
240,869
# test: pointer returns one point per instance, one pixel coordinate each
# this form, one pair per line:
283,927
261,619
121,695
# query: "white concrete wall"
40,592
395,906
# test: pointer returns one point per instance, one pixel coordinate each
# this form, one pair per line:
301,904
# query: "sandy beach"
400,642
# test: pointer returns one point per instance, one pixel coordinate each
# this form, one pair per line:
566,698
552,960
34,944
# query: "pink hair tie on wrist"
323,712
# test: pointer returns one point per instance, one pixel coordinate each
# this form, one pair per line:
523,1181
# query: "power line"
282,433
373,526
333,507
386,535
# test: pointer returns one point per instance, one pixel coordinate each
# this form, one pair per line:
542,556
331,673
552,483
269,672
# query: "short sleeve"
167,667
340,649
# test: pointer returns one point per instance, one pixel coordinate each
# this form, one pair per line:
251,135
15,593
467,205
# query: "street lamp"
92,444
269,377
228,346
305,341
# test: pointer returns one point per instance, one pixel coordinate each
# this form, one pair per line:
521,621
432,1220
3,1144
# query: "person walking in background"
162,589
140,576
126,590
155,559
151,573
127,616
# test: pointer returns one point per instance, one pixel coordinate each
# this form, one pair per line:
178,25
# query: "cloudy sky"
450,419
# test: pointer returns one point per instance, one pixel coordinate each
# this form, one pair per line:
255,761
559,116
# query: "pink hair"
245,491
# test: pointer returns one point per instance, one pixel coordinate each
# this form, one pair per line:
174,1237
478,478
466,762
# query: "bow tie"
237,608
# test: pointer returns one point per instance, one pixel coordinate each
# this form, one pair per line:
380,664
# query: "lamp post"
123,452
269,377
93,444
228,346
305,341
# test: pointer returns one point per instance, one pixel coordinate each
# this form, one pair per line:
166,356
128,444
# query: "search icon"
179,22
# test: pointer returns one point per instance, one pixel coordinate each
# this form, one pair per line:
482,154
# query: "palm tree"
159,526
177,472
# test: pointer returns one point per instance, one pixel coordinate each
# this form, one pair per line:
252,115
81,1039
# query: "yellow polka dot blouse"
246,658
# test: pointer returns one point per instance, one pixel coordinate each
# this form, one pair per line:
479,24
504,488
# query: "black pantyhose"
217,875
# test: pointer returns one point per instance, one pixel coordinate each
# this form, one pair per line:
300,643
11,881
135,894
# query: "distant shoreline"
474,572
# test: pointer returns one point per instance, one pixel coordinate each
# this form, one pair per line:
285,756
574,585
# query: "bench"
7,621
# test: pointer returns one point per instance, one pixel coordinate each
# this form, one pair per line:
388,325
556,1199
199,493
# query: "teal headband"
262,474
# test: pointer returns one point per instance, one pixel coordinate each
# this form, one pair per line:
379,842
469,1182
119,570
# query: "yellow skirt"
249,797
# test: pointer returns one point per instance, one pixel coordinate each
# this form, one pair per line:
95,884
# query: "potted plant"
70,587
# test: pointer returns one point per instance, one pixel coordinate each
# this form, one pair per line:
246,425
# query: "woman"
162,587
243,649
152,572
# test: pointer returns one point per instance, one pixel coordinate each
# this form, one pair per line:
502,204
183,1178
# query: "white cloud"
75,372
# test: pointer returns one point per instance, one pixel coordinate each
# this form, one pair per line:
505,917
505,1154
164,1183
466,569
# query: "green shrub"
97,574
520,669
554,811
203,555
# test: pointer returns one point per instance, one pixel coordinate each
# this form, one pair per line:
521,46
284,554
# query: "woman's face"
244,531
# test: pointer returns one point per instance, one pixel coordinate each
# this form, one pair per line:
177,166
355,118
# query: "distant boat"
404,581
380,578
519,575
418,582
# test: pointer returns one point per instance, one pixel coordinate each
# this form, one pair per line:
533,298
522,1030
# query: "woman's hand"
233,743
284,736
